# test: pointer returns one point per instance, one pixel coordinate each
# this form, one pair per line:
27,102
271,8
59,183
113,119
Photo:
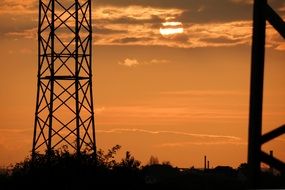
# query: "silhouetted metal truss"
262,13
64,106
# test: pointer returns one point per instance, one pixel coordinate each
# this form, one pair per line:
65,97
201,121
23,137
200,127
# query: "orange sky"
178,97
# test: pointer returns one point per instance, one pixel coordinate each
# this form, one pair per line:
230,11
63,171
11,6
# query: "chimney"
205,162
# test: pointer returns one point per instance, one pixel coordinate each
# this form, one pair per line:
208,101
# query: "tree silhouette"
63,170
153,160
130,162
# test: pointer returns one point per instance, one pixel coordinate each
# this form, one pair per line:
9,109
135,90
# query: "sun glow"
170,28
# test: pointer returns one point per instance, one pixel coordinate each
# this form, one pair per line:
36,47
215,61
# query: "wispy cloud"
178,138
17,7
250,2
195,35
27,34
139,24
158,61
179,106
177,133
134,13
274,40
169,112
205,93
219,34
167,115
129,62
207,143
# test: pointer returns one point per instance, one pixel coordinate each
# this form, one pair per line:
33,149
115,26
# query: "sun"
171,28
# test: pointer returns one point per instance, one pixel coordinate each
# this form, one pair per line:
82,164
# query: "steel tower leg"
256,90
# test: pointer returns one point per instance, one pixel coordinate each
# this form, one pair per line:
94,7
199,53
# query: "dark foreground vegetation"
63,170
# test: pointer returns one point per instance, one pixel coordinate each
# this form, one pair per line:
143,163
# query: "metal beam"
273,162
273,134
256,91
275,20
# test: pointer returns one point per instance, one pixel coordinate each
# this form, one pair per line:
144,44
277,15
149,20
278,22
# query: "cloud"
194,36
176,133
106,31
274,39
205,93
129,62
206,143
26,34
129,40
221,40
167,115
220,34
133,14
12,25
250,2
172,139
139,24
281,47
158,61
99,110
18,7
206,23
146,33
142,22
193,10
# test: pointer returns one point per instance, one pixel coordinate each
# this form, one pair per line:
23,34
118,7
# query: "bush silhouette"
61,169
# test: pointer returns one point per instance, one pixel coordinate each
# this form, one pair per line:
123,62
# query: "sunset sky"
171,79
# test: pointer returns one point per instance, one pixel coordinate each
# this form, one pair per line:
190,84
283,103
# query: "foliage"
153,160
108,160
61,169
130,162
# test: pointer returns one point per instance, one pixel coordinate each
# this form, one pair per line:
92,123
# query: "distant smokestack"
208,164
205,162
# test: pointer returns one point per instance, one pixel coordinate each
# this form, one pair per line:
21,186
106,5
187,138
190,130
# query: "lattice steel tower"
64,106
262,13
